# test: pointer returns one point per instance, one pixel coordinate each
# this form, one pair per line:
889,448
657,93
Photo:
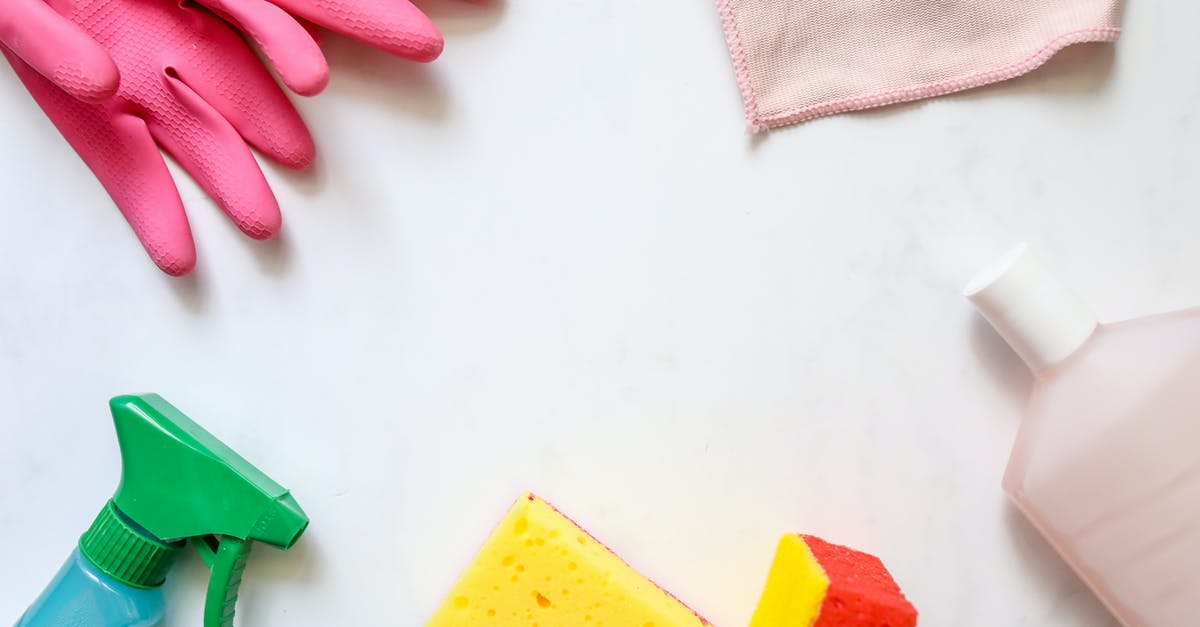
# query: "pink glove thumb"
58,49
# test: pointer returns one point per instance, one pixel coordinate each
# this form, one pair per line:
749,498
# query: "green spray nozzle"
179,483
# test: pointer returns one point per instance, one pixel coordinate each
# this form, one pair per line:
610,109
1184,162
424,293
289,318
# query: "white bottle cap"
1039,318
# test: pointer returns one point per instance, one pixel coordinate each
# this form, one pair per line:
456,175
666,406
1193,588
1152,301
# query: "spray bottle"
179,485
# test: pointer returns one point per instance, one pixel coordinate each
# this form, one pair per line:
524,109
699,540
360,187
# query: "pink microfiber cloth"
800,59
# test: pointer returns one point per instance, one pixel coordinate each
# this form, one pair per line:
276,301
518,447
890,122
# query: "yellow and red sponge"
813,583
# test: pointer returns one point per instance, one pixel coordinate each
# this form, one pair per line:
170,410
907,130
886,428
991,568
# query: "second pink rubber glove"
394,26
190,85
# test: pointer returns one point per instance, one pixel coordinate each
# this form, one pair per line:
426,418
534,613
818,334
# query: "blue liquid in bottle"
82,596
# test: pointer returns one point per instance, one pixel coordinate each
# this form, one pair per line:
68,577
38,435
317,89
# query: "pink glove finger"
395,26
137,178
249,99
285,42
119,150
213,153
57,49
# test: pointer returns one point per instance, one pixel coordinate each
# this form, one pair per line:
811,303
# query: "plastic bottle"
82,591
179,485
1107,459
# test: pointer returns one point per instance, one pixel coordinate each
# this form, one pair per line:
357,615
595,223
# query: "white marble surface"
554,261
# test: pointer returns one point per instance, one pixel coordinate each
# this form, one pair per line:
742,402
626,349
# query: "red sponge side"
861,593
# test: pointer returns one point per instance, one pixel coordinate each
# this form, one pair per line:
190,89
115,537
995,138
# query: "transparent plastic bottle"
82,595
1107,459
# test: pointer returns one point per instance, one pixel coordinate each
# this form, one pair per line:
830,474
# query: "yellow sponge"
539,568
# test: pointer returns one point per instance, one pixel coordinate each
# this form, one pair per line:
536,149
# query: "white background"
553,260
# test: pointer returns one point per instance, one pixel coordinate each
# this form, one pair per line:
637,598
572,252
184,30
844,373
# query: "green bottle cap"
179,483
125,553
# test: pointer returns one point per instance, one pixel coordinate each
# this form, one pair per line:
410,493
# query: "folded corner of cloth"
796,60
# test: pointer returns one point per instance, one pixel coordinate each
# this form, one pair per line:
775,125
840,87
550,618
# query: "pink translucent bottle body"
1107,459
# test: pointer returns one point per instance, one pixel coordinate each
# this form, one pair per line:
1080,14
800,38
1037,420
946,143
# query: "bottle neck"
1048,369
1040,319
124,551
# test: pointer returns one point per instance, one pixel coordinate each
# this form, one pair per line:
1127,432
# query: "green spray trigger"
179,483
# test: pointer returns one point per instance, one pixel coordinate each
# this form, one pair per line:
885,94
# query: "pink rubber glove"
190,85
394,26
